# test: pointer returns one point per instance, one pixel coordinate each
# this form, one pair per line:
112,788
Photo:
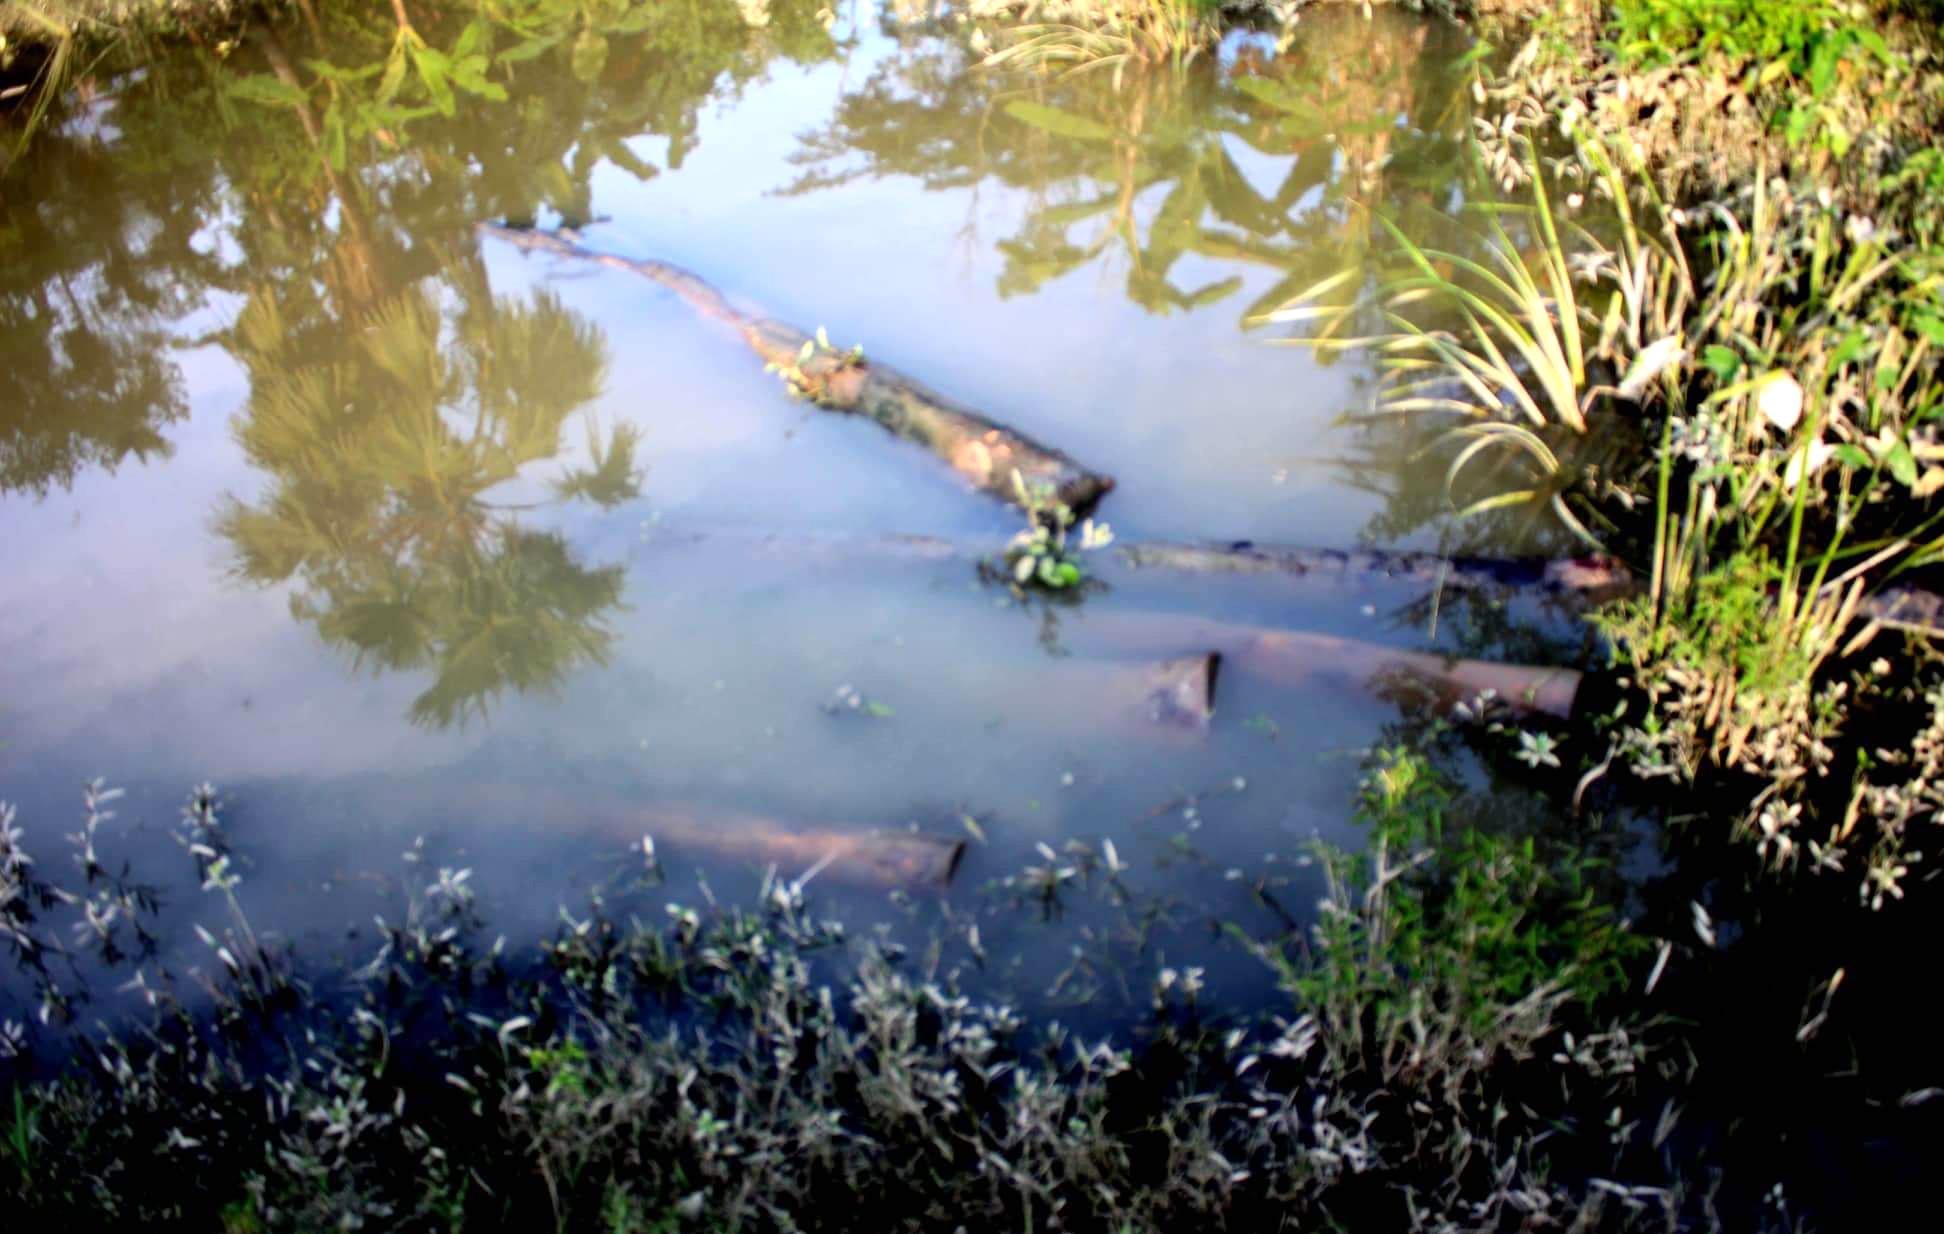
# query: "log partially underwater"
1303,659
1586,579
1173,695
981,450
1575,582
1581,580
859,857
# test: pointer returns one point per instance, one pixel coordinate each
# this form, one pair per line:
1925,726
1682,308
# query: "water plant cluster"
1045,555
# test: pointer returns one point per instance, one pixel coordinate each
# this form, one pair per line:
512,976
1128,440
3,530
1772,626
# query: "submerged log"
1181,692
1583,580
1574,581
861,857
1300,658
1588,579
983,451
1165,701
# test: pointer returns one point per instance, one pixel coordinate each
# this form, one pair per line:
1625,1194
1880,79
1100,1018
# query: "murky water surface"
309,489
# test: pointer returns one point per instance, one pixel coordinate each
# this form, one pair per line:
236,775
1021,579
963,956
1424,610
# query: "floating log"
980,449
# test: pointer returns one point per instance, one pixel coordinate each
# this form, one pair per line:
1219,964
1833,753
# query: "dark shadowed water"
308,489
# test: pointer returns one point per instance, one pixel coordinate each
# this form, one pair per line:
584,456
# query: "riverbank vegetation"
1690,318
758,1069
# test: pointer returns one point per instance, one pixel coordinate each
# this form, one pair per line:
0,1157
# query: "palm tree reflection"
383,451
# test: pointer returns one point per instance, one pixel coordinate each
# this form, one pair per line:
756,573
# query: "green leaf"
469,75
1795,124
473,38
344,77
265,89
1902,464
394,75
1723,362
432,69
879,710
526,51
1854,457
589,56
1213,292
1053,120
1854,344
1262,90
1930,326
335,138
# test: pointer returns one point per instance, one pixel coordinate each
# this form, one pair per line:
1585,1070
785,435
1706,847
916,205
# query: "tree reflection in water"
1253,170
382,457
326,174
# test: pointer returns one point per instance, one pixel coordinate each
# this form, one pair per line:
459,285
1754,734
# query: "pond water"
309,489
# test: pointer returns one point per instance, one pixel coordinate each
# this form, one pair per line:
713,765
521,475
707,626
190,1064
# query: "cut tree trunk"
981,450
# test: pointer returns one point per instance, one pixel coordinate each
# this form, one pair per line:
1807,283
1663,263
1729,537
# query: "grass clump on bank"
1694,308
757,1069
1762,327
48,45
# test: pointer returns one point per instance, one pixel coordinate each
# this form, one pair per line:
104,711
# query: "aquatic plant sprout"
1043,555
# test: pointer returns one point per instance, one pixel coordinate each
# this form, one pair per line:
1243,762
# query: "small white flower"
1704,928
1654,359
1811,457
1536,749
1779,400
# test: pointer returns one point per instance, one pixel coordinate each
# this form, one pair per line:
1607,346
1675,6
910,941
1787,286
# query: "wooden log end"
1181,692
1083,491
902,859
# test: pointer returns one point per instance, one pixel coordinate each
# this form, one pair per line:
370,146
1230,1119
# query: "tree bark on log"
981,450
